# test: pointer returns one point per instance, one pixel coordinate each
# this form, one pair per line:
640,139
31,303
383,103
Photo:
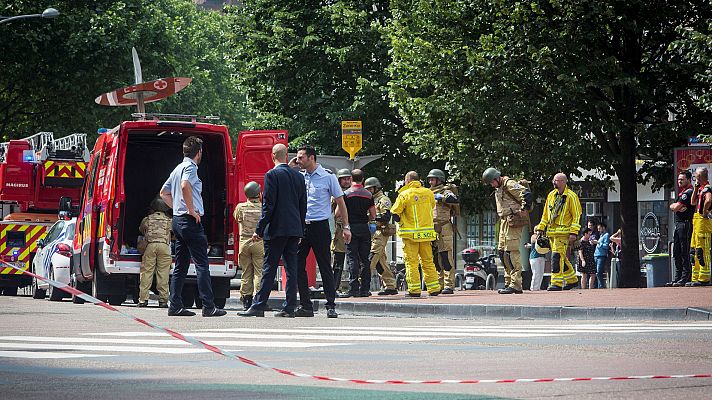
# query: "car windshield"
54,232
70,232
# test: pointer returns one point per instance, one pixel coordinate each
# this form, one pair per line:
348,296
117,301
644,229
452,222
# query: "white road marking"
45,354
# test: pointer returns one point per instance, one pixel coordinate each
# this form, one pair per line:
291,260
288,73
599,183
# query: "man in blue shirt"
182,192
601,253
321,186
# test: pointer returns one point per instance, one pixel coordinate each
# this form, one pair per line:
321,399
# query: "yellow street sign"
351,137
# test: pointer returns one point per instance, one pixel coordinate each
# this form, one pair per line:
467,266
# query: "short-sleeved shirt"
321,187
185,171
684,198
358,202
247,214
704,189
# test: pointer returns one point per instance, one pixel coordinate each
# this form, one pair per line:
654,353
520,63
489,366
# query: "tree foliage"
53,69
306,66
536,87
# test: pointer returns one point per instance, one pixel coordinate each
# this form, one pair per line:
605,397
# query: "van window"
94,168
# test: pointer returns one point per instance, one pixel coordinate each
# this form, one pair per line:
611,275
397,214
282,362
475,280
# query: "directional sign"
351,137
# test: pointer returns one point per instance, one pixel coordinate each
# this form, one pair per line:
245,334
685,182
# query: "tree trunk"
629,274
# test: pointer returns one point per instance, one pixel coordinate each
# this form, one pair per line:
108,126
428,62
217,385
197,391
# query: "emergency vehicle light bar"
159,116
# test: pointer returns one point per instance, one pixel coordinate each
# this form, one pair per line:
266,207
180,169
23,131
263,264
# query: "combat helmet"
157,204
490,174
343,173
252,190
372,182
437,173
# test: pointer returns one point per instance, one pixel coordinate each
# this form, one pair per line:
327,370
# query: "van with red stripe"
126,170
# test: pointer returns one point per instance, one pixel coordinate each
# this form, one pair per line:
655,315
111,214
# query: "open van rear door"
253,159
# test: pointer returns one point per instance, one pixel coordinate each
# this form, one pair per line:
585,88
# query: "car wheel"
491,282
38,293
54,293
84,287
10,291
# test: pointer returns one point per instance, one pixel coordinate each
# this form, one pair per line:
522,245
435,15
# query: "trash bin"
657,269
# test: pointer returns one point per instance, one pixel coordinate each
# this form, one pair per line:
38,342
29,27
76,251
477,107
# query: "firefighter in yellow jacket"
252,252
701,229
513,200
414,211
156,229
447,206
560,222
384,230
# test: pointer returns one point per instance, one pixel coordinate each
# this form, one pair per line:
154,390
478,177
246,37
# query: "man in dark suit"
281,226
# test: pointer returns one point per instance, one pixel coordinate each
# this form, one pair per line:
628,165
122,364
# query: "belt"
316,222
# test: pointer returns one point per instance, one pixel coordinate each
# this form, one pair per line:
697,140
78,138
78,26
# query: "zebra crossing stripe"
202,345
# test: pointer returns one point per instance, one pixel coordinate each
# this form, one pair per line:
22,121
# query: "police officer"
252,252
513,199
338,247
683,210
384,231
447,206
156,228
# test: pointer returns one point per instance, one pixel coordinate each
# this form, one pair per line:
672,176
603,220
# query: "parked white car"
53,259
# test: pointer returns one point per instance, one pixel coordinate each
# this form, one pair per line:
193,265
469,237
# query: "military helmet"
372,182
252,190
490,174
437,173
343,173
157,204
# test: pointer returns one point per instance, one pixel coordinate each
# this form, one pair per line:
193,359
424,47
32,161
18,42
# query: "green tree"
53,70
536,87
306,66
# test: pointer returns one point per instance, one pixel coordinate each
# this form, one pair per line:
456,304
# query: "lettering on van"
17,185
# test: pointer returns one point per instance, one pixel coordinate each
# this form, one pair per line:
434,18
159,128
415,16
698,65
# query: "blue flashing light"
29,158
102,130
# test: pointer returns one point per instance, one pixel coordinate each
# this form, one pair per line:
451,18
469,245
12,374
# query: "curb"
498,311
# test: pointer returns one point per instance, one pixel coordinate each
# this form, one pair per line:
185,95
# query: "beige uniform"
379,240
510,201
443,246
252,252
156,228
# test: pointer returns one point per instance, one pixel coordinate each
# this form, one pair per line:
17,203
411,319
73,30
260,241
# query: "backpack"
527,190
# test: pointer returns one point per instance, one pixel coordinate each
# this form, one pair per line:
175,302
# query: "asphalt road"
66,351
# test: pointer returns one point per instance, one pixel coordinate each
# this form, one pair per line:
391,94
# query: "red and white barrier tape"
200,344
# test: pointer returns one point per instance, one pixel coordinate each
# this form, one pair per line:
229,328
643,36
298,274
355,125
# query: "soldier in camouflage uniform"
338,247
252,252
447,206
384,231
156,229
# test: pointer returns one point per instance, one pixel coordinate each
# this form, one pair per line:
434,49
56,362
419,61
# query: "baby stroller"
480,272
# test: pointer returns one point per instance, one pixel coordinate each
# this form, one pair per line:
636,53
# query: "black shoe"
434,293
331,313
252,312
213,312
284,314
447,290
553,288
162,304
142,304
387,292
680,283
246,302
509,290
182,312
343,295
570,286
671,284
301,312
366,294
700,283
412,295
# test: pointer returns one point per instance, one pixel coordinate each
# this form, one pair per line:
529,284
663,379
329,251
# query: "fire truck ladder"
75,143
37,141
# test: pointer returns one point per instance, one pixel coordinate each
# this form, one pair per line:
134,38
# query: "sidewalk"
665,304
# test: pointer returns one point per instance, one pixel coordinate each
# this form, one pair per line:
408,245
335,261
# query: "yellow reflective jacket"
562,214
415,205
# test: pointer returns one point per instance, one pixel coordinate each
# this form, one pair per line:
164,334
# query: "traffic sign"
351,137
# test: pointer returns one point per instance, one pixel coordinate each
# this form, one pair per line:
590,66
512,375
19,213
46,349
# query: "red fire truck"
35,173
126,170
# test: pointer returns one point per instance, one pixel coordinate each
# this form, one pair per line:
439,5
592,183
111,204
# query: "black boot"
246,302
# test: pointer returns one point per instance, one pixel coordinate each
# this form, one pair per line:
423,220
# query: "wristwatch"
347,227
